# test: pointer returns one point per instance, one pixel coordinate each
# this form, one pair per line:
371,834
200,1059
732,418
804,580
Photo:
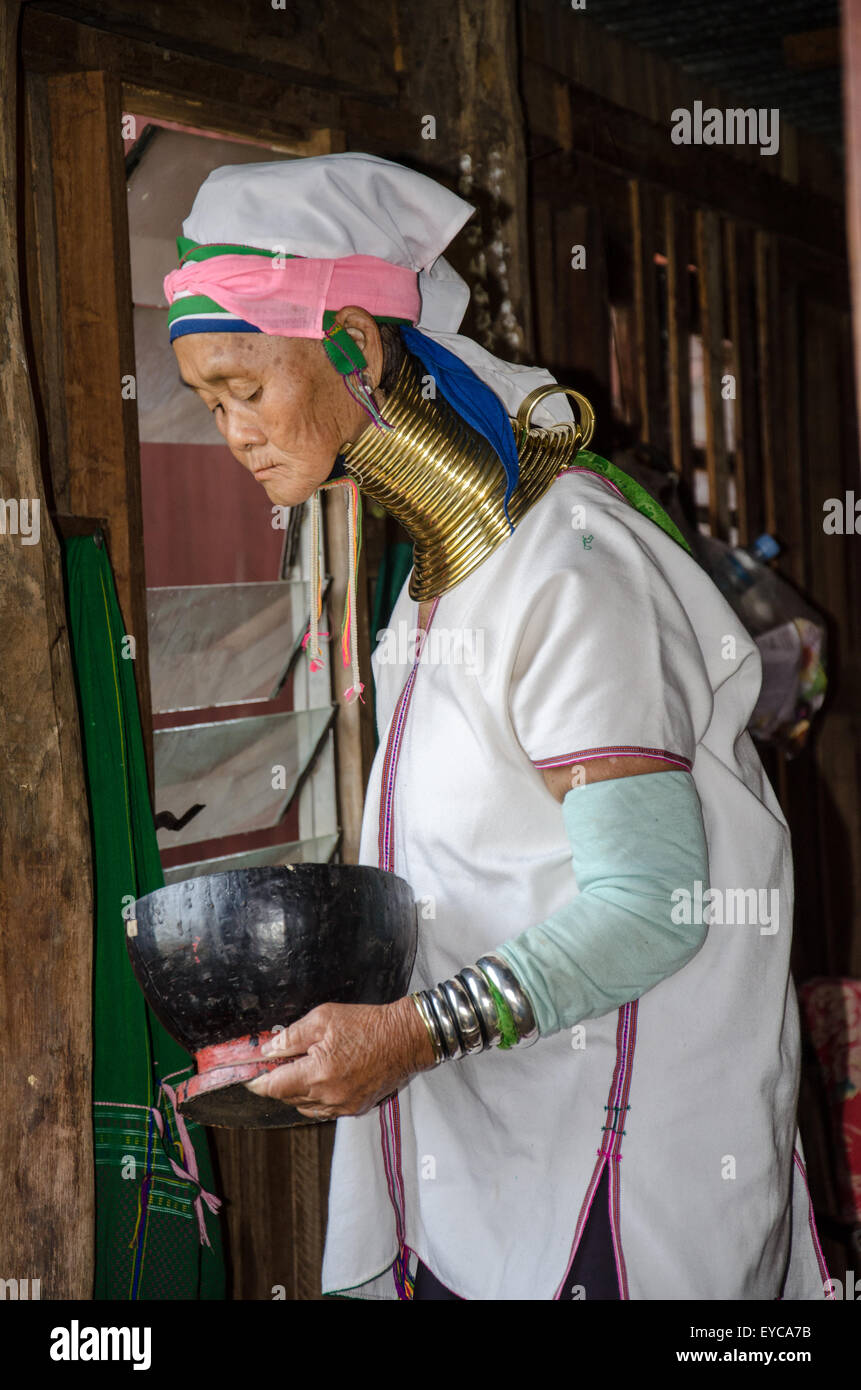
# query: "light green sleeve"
635,842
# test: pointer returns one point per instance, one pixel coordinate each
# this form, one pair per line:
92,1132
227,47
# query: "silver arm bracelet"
447,1024
427,1016
451,1019
482,1000
463,1011
460,1014
503,978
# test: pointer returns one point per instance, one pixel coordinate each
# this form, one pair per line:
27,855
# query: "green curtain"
148,1240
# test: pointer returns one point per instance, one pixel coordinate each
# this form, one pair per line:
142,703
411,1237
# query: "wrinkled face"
281,406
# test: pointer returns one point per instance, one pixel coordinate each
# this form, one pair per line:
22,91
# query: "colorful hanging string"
360,393
349,634
312,636
351,363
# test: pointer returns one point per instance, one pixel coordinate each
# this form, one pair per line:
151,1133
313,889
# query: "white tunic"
575,641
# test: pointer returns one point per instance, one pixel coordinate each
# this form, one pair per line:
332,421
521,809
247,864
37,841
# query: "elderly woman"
591,1091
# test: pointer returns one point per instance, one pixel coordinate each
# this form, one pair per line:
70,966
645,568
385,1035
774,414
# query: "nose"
241,434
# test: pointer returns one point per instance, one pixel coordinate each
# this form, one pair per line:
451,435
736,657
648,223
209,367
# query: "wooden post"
738,255
46,1150
769,375
582,319
708,240
98,336
644,243
677,238
354,729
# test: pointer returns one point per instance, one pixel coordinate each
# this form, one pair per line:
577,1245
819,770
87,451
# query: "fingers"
318,1112
279,1085
282,1044
288,1083
295,1040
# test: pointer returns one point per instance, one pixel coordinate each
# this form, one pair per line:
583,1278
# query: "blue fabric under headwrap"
474,401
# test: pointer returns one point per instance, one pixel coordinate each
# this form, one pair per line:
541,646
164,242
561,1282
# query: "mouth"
261,473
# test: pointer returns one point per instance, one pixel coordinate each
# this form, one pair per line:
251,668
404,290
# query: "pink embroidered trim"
122,1105
611,1147
823,1268
390,1113
620,751
385,842
615,1224
598,476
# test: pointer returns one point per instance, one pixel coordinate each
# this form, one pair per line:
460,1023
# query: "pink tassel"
315,664
349,635
190,1174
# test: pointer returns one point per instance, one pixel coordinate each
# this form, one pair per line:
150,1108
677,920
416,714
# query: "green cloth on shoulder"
634,493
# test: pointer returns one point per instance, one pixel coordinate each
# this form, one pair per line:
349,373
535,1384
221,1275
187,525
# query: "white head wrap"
360,204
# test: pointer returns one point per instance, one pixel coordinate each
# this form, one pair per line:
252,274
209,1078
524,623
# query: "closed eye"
244,399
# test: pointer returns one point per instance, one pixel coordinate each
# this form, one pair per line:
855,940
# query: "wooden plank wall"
773,286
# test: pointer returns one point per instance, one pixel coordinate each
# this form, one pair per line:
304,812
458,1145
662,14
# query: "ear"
366,334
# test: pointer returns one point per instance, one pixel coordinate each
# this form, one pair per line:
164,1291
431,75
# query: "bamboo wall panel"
566,41
276,1184
679,252
622,141
646,239
829,456
581,323
544,278
710,285
769,369
794,520
741,290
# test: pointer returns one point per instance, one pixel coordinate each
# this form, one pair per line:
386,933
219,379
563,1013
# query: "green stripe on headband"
191,305
189,250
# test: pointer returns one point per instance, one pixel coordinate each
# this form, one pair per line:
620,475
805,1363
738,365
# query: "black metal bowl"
232,956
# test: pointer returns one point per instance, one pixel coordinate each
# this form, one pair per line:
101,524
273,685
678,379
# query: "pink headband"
286,297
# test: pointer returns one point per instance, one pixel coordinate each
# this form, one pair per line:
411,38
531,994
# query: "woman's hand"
349,1057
